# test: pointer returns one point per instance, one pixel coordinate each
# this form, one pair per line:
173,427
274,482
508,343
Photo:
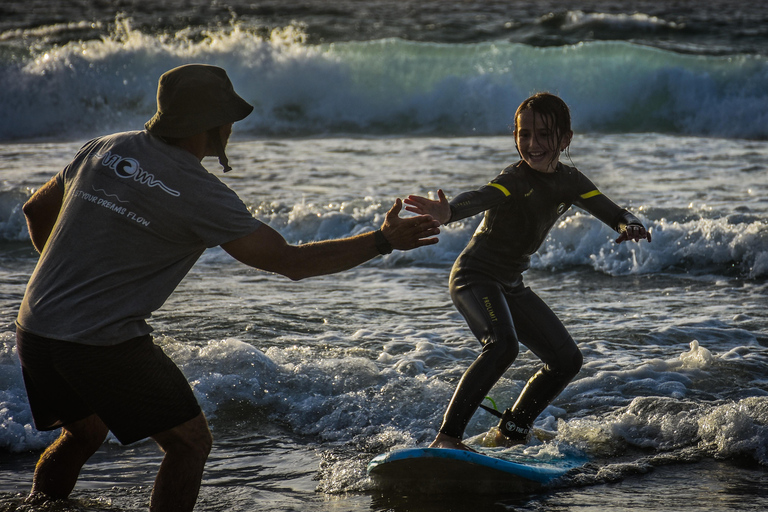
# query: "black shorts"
134,388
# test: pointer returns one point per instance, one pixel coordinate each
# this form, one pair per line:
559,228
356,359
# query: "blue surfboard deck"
446,470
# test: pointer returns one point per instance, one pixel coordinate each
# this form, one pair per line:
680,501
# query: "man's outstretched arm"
266,249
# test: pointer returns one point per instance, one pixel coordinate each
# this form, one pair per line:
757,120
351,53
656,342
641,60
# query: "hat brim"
194,98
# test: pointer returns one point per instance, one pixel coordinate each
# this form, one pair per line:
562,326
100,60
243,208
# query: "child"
521,205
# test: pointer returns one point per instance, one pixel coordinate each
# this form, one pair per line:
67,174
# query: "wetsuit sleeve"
601,207
473,202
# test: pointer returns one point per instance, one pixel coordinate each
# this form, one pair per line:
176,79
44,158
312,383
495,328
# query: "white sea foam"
385,86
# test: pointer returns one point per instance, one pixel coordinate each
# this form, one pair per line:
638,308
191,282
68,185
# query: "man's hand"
634,232
409,233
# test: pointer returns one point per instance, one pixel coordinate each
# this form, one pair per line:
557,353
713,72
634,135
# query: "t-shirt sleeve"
220,215
69,172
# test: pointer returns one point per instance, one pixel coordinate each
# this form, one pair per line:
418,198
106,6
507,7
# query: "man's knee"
89,434
192,438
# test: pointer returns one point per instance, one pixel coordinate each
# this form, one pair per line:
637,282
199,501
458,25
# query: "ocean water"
361,102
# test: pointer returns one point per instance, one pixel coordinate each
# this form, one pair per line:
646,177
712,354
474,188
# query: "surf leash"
492,411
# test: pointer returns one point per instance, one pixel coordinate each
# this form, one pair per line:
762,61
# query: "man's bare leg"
186,449
59,466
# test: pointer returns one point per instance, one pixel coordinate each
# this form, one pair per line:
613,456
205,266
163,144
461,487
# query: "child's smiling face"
537,141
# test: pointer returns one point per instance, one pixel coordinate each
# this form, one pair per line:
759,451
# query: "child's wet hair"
553,110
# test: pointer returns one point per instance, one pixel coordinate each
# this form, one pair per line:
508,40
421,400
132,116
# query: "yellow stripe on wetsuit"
500,187
587,195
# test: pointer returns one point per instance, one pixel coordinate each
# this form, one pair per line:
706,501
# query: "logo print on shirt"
129,168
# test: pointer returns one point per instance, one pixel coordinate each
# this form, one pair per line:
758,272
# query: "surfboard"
441,470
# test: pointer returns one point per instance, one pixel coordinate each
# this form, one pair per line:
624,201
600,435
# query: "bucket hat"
195,98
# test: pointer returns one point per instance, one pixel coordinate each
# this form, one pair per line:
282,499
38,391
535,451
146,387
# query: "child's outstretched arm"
440,210
592,200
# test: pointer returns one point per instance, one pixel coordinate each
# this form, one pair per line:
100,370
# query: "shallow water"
305,382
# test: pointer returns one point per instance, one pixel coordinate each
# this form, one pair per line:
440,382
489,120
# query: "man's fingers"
395,210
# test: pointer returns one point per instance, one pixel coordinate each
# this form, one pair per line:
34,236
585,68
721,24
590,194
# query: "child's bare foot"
494,438
445,441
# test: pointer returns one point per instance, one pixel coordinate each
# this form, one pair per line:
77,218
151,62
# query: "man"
117,230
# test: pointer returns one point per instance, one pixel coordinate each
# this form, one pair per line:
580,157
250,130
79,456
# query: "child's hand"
410,232
634,232
440,210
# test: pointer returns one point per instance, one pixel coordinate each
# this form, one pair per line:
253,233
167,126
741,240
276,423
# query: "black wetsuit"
521,205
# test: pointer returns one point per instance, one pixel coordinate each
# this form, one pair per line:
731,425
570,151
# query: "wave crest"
386,86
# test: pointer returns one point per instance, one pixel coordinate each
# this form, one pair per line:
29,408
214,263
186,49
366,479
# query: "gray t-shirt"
137,213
